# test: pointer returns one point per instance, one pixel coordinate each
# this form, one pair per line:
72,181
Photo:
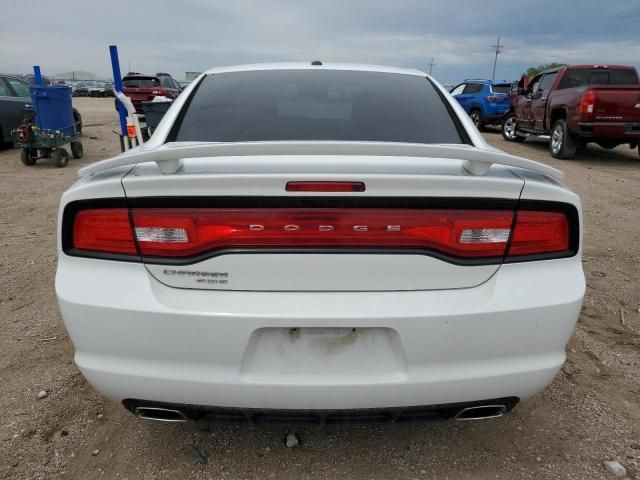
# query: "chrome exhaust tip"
481,412
160,414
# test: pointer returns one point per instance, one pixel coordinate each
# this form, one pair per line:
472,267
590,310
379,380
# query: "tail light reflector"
539,232
106,230
459,233
587,103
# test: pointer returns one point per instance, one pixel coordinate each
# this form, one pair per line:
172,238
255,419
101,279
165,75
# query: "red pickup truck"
574,105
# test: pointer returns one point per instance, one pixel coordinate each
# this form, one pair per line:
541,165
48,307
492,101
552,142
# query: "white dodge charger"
312,243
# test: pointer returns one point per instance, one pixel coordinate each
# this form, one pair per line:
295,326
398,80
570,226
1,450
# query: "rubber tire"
77,150
26,157
516,138
61,157
77,118
567,147
479,124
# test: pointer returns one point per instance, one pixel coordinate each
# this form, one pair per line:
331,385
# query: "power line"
431,64
498,48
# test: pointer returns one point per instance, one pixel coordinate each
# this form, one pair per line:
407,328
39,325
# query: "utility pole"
498,48
431,64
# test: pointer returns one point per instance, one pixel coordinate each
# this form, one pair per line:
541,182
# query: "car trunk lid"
253,233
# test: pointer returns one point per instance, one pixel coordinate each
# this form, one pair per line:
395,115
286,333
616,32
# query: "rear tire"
76,150
61,157
77,118
561,144
509,130
27,156
476,118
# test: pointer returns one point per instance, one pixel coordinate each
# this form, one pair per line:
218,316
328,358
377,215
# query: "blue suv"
486,102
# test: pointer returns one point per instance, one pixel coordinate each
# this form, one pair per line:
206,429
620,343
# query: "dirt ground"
588,415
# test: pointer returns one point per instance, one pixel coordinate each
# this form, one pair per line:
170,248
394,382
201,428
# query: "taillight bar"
451,232
187,234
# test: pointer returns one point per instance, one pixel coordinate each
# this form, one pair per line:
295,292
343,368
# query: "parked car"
486,102
31,79
319,243
82,89
14,99
141,88
575,105
101,89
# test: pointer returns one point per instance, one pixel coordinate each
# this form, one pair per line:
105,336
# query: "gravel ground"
588,415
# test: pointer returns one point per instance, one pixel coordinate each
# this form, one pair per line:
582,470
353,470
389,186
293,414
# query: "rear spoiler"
477,161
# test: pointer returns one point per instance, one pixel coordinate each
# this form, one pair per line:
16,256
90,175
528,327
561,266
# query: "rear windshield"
316,105
140,82
582,77
504,88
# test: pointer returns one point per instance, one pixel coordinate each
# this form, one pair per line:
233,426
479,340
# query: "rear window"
583,77
140,82
504,88
316,105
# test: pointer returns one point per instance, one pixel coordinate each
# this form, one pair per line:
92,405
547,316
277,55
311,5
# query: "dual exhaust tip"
160,414
476,412
481,412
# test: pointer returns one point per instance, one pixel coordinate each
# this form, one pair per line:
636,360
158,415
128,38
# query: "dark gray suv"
14,98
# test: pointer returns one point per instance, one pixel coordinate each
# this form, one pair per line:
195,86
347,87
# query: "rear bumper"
622,131
494,113
137,338
489,408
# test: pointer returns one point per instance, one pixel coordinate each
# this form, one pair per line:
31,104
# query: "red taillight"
159,92
103,230
325,187
492,99
587,103
539,232
186,232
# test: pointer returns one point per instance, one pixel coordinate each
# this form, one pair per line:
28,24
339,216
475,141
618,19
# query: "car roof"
308,66
487,82
590,66
141,76
13,75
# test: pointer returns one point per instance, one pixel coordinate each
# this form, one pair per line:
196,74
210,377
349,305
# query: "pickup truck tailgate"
617,103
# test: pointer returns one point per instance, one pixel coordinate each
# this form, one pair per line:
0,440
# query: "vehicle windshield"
582,77
502,88
140,82
317,105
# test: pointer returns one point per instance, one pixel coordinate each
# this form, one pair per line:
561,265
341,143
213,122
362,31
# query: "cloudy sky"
193,35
